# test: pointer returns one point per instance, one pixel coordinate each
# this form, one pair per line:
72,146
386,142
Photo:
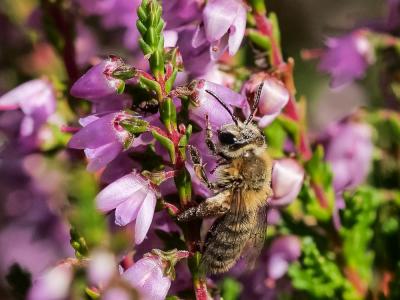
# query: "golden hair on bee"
241,190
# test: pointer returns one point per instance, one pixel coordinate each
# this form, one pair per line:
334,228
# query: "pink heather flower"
116,14
346,58
287,179
224,24
179,14
116,293
103,139
274,97
206,104
111,103
133,199
196,58
349,151
98,81
147,276
36,99
53,284
283,250
102,267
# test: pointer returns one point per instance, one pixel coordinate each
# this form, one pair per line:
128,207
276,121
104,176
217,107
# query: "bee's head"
236,140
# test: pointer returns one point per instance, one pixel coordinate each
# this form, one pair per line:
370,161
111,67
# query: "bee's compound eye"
226,138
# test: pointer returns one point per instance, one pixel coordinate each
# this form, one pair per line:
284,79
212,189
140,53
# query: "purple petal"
95,83
119,191
170,38
27,126
199,37
344,60
146,275
274,97
288,246
111,103
218,16
237,30
145,216
128,210
116,293
277,266
218,47
208,105
100,157
349,150
267,119
87,120
287,179
102,267
53,285
22,93
96,134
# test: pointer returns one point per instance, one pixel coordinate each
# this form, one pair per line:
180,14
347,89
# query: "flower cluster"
144,159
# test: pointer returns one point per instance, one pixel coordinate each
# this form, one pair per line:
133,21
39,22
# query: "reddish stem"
265,27
319,192
200,290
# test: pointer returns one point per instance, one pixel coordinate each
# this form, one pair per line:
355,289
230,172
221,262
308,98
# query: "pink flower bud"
98,81
53,284
102,267
287,179
147,276
283,250
274,97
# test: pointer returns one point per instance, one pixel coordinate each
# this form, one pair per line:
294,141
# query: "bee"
241,190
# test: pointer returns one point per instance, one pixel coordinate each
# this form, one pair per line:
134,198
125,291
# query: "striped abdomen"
226,241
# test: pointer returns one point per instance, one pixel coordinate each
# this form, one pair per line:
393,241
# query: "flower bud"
152,274
287,179
349,150
99,81
283,250
274,97
53,284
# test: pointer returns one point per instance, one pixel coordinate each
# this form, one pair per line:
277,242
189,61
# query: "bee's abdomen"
225,242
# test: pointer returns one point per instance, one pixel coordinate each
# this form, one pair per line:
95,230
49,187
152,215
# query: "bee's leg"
199,166
209,142
212,207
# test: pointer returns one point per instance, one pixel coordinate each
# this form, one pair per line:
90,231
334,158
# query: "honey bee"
241,190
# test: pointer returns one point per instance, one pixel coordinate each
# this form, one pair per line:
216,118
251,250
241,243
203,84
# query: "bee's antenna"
255,104
234,118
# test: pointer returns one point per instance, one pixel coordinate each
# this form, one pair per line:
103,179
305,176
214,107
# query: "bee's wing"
257,238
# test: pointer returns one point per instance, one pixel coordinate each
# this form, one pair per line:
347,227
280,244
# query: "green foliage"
166,143
386,165
184,185
357,232
168,114
230,289
78,243
319,276
19,280
83,216
134,126
317,193
386,243
151,25
184,141
275,136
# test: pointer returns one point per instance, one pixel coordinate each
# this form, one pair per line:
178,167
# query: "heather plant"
95,150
